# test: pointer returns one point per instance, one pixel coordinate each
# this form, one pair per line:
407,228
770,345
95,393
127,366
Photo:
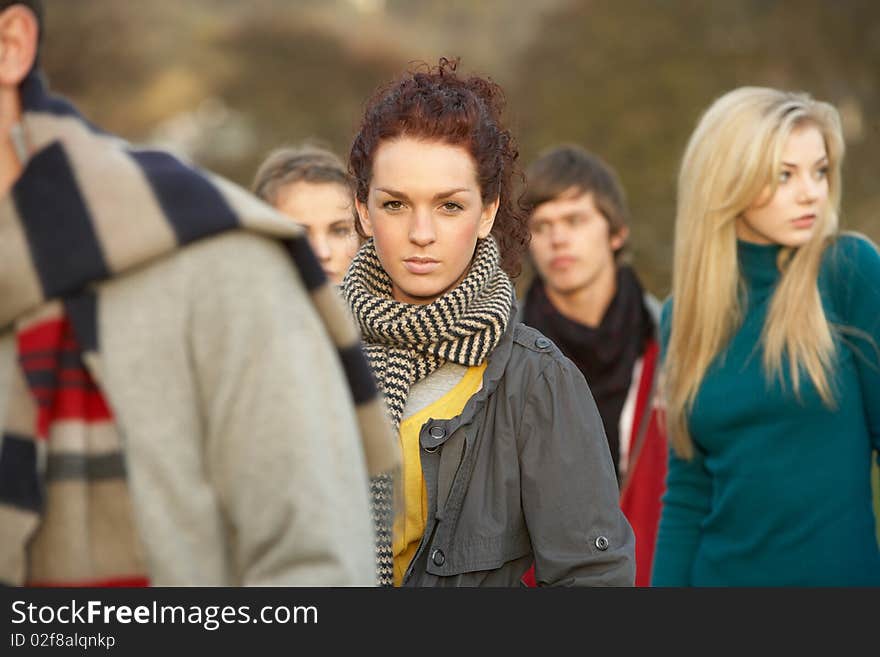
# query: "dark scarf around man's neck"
605,354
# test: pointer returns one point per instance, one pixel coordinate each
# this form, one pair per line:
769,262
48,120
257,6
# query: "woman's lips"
420,265
806,221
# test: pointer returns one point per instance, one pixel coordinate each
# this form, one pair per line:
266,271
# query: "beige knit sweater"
244,467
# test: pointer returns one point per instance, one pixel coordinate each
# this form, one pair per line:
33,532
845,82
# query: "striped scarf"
87,208
406,343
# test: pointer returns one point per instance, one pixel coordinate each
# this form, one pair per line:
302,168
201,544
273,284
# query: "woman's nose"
421,229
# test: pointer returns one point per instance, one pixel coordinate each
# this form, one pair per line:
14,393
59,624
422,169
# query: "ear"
18,44
364,217
487,218
619,238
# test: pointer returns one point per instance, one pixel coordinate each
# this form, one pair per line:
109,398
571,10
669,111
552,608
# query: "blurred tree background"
224,81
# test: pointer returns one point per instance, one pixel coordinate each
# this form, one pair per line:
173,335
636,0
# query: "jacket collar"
495,367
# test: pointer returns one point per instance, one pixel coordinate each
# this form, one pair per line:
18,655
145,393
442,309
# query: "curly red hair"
436,103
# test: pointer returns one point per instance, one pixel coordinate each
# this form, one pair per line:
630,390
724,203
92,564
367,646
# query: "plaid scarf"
89,207
406,343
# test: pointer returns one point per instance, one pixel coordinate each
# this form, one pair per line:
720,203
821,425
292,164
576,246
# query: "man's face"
572,245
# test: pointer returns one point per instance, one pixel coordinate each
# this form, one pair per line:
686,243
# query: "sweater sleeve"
570,496
855,264
686,502
281,439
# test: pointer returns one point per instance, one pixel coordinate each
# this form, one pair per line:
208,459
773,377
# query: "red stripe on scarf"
65,392
113,582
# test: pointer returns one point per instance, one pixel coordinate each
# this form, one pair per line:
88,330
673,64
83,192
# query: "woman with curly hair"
505,458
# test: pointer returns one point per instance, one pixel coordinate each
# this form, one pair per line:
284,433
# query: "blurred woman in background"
310,185
770,346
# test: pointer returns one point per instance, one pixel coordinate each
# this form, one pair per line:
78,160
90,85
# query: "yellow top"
410,526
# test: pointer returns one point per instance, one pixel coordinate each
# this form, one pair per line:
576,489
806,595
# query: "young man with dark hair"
595,309
183,397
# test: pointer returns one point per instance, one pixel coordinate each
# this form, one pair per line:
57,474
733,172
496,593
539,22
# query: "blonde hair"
308,163
731,158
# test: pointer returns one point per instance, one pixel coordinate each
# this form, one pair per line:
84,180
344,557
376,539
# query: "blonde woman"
772,371
310,185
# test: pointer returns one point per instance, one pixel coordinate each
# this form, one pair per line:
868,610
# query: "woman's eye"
784,176
341,231
821,173
449,206
392,205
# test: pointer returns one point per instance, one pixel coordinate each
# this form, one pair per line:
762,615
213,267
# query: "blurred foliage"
625,78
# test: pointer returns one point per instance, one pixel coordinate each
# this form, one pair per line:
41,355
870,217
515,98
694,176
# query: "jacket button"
602,543
438,557
437,432
542,343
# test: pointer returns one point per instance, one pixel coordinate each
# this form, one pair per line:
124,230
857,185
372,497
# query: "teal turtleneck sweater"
779,491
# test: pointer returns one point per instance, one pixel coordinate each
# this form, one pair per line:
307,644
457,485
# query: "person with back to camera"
310,185
505,458
183,396
592,305
771,361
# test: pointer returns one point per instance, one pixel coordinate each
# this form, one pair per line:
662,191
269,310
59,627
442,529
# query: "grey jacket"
523,474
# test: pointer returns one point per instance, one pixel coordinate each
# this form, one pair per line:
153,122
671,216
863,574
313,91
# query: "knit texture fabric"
88,207
405,343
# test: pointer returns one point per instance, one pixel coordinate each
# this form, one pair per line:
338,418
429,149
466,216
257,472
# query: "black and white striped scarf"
406,343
